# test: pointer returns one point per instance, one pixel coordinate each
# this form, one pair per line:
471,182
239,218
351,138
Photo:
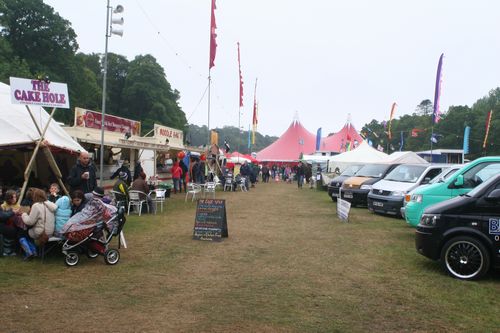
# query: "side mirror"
459,181
426,181
494,195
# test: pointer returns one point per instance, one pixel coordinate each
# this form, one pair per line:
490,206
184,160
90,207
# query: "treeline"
35,42
416,129
237,141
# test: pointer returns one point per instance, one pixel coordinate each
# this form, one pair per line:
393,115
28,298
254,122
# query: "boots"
23,241
32,246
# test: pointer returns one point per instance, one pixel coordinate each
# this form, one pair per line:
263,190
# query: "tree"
10,64
425,108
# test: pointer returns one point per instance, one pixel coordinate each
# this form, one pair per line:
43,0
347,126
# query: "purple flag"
436,115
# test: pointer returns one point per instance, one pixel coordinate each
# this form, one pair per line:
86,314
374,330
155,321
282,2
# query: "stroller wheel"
92,254
72,258
111,256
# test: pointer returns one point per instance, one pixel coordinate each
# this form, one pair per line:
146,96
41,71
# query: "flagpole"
208,120
432,137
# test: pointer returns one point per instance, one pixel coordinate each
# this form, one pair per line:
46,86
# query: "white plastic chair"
158,197
228,184
242,185
210,188
136,201
193,189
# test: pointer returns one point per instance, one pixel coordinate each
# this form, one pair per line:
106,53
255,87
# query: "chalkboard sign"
210,222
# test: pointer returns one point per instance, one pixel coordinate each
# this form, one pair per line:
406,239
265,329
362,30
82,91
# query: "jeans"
177,184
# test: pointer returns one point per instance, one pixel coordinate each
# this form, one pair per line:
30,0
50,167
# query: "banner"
393,109
255,113
170,136
488,124
91,119
466,139
241,77
401,142
213,35
39,92
436,115
318,139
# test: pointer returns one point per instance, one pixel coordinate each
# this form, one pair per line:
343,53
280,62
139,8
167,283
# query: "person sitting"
140,185
41,219
120,188
63,213
78,201
124,168
10,202
54,192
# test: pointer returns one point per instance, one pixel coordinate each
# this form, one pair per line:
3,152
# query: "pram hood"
95,211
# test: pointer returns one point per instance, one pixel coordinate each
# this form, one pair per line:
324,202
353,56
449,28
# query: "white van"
387,195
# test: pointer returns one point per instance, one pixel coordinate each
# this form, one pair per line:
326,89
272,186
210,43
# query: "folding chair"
52,243
210,188
192,189
228,184
136,201
158,197
242,184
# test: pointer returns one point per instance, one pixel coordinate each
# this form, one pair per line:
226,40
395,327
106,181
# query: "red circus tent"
290,145
338,141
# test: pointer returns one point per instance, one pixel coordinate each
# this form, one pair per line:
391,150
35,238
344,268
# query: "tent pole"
35,152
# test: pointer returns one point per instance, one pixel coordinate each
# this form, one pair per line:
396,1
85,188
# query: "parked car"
387,195
355,189
462,181
443,176
464,232
336,183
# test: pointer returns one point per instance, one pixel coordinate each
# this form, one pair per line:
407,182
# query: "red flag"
241,77
415,131
213,35
488,123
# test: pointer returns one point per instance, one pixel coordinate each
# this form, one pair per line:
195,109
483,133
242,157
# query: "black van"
464,232
336,183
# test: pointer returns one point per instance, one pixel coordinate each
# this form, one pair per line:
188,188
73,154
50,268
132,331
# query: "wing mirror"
426,181
459,181
494,195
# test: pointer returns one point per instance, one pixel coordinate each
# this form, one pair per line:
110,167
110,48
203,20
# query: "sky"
317,60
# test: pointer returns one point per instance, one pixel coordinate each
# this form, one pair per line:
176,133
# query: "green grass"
289,265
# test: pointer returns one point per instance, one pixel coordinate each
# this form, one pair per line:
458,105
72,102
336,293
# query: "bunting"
213,35
241,77
436,115
488,123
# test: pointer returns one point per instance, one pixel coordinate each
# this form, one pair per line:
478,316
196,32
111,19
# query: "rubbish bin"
167,187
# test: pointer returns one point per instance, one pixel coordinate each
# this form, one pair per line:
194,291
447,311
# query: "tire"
465,258
92,254
112,256
72,258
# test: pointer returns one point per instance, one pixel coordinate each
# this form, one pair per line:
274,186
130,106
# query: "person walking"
83,175
300,174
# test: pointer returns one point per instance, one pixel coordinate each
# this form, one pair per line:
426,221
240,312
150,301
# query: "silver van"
387,195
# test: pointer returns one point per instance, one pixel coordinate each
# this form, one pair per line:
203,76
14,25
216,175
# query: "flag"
393,109
318,139
213,35
488,123
370,142
214,137
227,148
401,142
249,139
415,131
436,115
241,77
435,137
466,139
380,148
255,111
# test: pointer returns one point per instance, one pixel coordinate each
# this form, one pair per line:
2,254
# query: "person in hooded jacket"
121,188
63,213
41,216
83,175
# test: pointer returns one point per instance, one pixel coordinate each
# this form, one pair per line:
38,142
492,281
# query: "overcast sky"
322,59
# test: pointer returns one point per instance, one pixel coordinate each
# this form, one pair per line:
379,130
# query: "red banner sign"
92,119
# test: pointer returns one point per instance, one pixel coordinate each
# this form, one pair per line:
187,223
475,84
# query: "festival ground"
289,265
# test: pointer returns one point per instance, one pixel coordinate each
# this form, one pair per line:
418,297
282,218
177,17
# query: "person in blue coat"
63,213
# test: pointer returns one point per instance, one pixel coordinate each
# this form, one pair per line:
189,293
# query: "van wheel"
465,258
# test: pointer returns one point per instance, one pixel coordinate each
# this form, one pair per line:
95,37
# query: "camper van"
462,181
387,195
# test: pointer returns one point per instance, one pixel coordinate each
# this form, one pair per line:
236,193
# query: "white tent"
17,127
364,153
405,157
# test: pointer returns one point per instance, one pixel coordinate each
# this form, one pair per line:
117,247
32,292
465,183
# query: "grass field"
289,265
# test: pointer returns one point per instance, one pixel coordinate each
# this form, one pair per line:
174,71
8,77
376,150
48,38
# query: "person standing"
300,174
176,177
83,175
137,170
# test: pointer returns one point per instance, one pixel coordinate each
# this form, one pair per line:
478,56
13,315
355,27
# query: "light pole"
109,31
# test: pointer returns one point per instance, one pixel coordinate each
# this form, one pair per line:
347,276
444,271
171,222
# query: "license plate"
378,204
336,195
348,195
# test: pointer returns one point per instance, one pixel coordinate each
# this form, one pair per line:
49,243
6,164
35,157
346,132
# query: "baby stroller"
92,237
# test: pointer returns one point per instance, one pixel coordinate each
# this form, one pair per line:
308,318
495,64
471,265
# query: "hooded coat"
41,218
63,212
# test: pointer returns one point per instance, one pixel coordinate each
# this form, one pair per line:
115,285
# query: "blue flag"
318,139
401,142
466,139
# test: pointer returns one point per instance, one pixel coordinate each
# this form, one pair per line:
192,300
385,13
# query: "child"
54,192
63,213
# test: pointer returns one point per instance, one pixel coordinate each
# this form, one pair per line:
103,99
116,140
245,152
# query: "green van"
464,180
